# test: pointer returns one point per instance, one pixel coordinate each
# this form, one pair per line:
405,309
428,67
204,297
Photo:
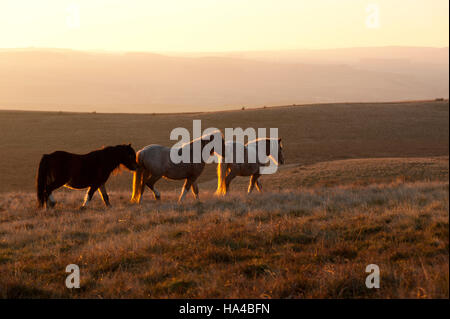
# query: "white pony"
154,161
226,172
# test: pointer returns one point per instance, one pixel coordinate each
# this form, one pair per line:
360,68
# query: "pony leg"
104,195
142,185
51,202
228,180
194,188
258,186
186,186
88,196
253,182
222,169
137,180
151,184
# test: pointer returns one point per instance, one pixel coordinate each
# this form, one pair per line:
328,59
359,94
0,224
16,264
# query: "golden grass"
344,172
313,242
344,200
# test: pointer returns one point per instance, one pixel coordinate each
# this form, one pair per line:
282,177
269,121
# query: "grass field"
363,184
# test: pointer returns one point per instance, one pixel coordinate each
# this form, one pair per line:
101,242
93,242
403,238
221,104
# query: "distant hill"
67,80
311,134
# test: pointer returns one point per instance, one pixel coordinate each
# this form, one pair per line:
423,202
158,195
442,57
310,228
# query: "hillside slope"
311,134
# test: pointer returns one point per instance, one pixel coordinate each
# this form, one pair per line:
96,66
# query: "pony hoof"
82,208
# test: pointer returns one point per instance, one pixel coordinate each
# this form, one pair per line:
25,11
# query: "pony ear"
212,137
279,143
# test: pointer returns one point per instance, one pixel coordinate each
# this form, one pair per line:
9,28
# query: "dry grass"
344,200
350,172
313,242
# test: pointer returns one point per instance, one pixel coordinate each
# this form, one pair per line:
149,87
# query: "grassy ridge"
313,242
311,134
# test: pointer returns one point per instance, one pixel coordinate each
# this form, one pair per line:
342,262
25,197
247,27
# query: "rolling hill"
311,134
65,80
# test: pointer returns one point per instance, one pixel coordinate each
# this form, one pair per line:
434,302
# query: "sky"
222,25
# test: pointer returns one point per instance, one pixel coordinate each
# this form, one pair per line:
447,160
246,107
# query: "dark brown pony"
90,170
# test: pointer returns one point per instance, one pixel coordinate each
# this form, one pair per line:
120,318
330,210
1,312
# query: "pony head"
127,156
280,157
280,152
217,138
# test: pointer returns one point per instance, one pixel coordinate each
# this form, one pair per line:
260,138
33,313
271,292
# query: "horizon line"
238,108
218,51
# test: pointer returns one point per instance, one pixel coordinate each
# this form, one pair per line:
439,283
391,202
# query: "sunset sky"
221,25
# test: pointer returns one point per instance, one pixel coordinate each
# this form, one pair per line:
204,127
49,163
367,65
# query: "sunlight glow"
219,25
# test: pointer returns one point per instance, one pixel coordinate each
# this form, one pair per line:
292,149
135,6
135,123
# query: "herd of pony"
149,164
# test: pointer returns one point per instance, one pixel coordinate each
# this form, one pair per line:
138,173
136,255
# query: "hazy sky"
222,25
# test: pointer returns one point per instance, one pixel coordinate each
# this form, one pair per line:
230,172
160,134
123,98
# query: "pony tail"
137,184
221,174
41,181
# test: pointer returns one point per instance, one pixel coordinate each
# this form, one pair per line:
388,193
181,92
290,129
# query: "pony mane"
112,147
106,148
